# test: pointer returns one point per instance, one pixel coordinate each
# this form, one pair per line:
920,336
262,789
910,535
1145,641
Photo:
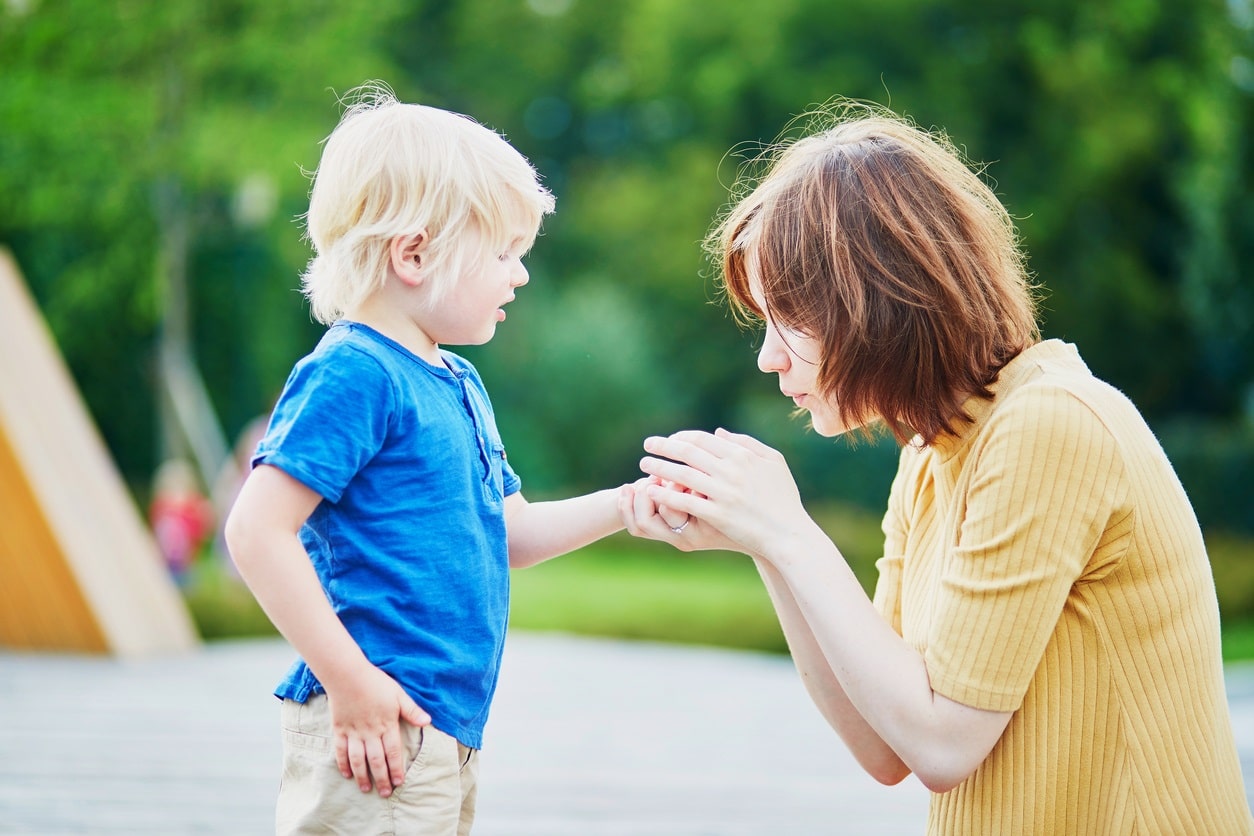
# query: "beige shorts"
436,799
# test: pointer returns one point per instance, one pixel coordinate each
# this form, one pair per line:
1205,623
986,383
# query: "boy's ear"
408,255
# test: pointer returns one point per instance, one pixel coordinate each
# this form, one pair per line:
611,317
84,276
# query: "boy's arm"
540,530
262,533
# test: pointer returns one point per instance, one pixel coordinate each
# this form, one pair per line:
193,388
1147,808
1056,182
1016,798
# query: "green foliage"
1116,132
221,605
1232,562
128,121
1215,463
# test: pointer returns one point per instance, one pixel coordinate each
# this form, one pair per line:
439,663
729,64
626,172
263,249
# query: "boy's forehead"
511,233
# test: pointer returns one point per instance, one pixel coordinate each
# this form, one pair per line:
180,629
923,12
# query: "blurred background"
154,161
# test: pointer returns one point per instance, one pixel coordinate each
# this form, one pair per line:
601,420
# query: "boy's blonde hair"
391,169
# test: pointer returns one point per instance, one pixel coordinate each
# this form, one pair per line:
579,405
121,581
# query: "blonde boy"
381,518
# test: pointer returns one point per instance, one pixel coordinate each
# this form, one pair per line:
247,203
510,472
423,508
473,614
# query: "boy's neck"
396,326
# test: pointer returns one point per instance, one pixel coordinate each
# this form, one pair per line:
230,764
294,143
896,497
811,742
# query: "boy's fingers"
394,751
380,770
642,506
626,512
357,763
377,762
411,712
341,756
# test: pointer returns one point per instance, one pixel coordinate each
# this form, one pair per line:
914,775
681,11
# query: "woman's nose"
773,355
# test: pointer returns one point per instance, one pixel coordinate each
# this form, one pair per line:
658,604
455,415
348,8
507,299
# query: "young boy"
381,518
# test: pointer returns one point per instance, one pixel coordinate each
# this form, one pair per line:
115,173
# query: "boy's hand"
738,491
676,520
646,510
366,711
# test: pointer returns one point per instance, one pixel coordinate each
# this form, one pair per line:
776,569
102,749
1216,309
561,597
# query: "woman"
1043,648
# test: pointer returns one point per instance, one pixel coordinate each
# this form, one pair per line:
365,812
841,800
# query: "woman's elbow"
882,764
941,778
889,774
937,777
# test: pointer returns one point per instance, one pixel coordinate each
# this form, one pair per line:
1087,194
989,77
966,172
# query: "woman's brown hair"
875,238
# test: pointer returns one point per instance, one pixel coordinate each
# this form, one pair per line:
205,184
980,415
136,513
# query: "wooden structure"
79,570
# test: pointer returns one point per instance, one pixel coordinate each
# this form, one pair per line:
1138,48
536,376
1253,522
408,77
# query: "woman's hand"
653,517
738,492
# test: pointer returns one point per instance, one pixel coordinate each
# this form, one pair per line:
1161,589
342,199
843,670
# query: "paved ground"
589,737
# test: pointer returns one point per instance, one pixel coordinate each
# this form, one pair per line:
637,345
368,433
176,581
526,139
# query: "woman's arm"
538,531
870,750
743,491
646,518
262,533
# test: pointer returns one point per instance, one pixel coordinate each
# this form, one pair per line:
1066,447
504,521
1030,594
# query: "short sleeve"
330,420
1045,477
890,567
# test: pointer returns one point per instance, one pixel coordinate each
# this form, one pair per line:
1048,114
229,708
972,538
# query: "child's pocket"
496,463
435,765
307,725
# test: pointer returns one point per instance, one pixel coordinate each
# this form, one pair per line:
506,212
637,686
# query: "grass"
1232,562
644,590
648,591
635,589
1238,639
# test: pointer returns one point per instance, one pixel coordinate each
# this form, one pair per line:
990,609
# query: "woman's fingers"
681,503
692,447
748,442
680,474
673,518
716,455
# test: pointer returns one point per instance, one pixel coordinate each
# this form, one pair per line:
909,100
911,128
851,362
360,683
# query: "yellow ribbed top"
1048,562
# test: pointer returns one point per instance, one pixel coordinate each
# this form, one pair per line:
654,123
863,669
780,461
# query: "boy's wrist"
341,669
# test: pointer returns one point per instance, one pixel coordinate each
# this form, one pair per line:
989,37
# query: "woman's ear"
408,254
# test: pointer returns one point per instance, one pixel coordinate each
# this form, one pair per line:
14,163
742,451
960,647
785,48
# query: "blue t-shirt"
409,539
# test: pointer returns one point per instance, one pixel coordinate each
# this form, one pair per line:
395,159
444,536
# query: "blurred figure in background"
181,516
230,479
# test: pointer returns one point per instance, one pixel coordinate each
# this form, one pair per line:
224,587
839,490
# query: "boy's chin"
473,339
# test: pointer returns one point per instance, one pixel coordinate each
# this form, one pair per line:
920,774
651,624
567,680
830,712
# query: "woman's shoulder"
1066,393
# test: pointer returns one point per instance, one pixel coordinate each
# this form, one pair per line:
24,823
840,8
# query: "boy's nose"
520,277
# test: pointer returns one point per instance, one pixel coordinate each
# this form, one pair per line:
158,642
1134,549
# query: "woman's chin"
829,426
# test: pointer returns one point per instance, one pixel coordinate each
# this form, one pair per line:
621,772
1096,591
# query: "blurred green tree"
1116,133
150,165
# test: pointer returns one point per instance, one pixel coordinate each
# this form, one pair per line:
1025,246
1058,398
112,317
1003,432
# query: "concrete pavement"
588,736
